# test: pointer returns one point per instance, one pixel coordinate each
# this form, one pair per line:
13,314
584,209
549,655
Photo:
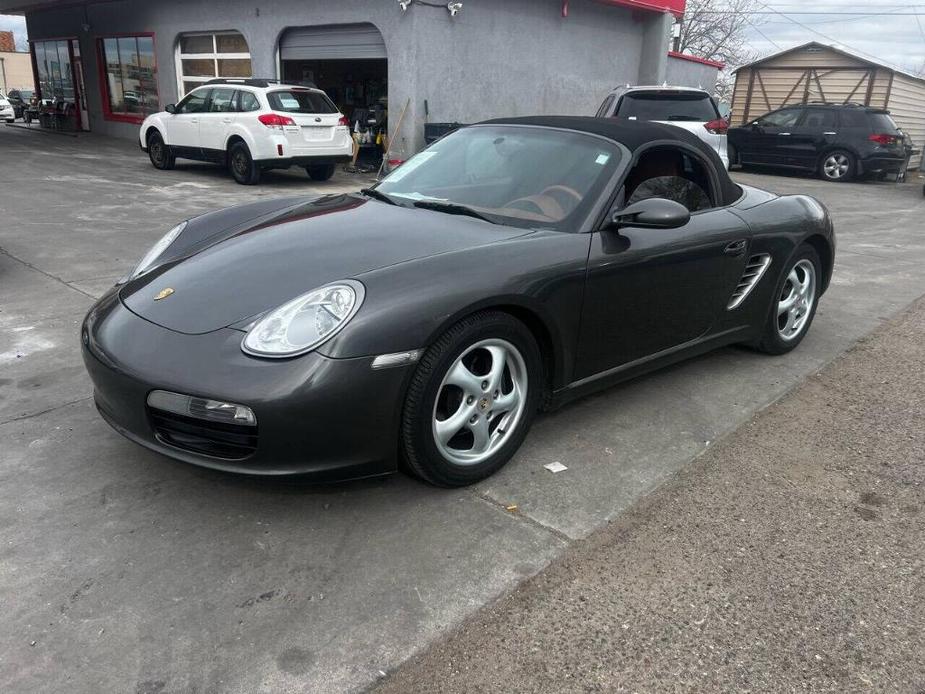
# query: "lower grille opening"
216,439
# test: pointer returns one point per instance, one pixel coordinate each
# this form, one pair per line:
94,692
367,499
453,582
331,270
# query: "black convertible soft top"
634,135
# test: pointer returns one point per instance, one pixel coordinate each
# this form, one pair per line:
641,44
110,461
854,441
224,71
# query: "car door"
810,136
215,122
183,124
650,290
765,140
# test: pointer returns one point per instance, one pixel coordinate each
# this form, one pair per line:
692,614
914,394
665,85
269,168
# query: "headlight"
156,250
305,322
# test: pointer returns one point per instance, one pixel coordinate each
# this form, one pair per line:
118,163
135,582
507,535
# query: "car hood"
236,273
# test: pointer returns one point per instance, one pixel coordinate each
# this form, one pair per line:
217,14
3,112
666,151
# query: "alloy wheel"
836,166
480,401
795,304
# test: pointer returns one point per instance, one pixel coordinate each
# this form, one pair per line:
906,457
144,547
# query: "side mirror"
171,108
652,213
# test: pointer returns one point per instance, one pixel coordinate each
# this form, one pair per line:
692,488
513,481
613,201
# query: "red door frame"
70,55
104,81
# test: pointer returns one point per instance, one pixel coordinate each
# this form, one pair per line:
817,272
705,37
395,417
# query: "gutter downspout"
3,75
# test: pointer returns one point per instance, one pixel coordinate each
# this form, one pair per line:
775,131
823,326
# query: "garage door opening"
349,62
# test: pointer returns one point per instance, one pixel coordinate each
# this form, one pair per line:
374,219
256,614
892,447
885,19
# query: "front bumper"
7,113
332,419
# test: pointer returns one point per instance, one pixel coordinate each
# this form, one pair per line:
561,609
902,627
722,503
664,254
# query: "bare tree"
716,30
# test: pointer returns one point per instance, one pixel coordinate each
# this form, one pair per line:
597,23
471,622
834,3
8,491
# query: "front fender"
539,276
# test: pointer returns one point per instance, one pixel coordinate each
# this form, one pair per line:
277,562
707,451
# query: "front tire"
320,172
793,304
159,152
242,165
837,166
472,400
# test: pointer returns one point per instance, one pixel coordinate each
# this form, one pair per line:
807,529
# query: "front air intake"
754,271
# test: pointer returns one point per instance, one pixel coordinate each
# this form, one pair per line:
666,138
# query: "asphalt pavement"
123,571
787,558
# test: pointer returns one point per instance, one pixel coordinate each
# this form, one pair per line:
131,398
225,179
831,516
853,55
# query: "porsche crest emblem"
163,294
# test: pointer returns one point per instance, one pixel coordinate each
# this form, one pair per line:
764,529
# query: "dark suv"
839,142
20,99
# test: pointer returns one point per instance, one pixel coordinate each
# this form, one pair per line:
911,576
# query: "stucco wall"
687,73
16,72
494,59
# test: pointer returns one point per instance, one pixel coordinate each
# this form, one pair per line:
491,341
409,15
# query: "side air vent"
754,271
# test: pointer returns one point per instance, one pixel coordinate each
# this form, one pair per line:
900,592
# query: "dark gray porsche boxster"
510,267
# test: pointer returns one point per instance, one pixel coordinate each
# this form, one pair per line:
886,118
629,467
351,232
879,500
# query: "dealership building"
112,62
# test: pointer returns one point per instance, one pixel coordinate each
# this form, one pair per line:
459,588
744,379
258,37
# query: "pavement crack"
22,417
47,274
555,532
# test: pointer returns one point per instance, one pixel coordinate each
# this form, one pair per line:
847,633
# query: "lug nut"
484,385
496,394
473,419
470,400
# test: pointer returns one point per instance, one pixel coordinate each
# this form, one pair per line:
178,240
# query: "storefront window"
53,65
202,57
131,76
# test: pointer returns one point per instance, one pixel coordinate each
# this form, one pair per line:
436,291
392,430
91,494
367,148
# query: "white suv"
6,109
688,108
250,126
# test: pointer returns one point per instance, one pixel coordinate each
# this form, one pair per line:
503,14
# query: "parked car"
251,126
685,107
6,109
837,141
513,265
20,98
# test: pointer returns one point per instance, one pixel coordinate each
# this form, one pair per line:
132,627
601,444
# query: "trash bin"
434,131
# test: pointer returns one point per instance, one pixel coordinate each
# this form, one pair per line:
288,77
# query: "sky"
898,39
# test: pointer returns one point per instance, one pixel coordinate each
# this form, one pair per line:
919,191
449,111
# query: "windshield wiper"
373,193
451,208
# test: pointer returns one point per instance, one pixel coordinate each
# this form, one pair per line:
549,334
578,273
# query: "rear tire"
159,152
242,165
793,303
837,166
320,172
482,421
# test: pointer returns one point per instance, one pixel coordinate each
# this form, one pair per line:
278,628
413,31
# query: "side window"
604,110
222,101
194,102
850,118
818,118
785,118
672,174
248,102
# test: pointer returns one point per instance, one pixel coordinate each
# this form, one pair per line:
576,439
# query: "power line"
819,33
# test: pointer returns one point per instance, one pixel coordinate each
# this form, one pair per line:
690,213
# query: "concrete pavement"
786,558
134,573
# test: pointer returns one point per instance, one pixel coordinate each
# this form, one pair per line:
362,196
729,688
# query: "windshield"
300,101
668,106
522,176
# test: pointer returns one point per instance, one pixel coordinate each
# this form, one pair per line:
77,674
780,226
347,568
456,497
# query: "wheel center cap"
484,403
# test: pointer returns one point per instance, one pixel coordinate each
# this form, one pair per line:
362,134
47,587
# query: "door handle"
830,133
736,247
784,134
226,120
193,120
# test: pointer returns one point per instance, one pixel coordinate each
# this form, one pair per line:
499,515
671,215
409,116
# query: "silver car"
686,107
